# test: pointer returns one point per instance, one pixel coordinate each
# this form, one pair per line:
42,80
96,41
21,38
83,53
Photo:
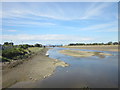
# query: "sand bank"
35,68
97,47
76,53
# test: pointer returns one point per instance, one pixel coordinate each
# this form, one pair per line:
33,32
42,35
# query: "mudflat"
76,53
97,47
35,68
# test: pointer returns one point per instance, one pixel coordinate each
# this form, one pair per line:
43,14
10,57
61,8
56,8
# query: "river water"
92,72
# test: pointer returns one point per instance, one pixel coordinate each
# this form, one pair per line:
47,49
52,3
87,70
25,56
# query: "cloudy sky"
60,22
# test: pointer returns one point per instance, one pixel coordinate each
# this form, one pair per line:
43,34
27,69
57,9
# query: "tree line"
8,45
109,43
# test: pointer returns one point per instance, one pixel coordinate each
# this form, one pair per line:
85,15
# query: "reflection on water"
93,71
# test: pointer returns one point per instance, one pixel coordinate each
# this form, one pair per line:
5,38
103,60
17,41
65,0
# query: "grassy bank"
18,59
18,53
35,49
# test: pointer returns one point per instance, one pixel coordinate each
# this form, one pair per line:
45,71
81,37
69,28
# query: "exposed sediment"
76,53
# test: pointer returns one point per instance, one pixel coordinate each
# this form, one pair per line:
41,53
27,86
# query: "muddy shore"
35,68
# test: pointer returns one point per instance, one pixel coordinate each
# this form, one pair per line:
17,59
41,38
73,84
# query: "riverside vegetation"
12,52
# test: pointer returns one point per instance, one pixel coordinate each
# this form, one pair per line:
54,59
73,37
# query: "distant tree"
102,43
38,45
80,44
6,43
71,44
109,43
95,44
115,43
11,43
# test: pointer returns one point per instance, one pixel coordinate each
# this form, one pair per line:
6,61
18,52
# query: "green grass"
14,54
5,59
18,53
35,49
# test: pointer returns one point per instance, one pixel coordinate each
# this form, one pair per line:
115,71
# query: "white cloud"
11,30
111,26
46,37
113,29
17,16
26,23
94,10
55,11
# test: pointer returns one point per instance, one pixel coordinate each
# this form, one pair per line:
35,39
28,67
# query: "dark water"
92,72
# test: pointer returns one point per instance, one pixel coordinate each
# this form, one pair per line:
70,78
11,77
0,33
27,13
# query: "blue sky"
60,22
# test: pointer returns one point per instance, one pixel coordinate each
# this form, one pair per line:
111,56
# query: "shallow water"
92,72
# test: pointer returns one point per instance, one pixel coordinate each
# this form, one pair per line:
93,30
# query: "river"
92,72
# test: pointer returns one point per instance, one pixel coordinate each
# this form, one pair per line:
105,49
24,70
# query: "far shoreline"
114,48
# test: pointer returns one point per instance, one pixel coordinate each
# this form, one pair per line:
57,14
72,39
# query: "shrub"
13,52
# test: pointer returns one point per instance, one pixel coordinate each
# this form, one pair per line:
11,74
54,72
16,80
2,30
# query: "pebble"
56,60
49,74
30,77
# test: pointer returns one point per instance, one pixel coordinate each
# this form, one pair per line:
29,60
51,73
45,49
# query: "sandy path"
37,68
